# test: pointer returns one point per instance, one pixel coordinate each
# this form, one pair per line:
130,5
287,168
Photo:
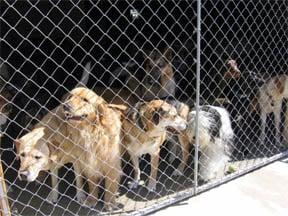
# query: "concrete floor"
262,192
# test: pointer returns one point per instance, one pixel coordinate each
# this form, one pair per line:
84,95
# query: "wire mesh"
137,53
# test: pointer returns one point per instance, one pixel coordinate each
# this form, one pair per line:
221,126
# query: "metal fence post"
198,65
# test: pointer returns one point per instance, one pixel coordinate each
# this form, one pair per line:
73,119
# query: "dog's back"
61,136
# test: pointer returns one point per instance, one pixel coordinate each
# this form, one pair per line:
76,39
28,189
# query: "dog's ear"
17,144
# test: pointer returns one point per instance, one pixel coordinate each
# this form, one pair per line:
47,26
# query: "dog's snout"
67,107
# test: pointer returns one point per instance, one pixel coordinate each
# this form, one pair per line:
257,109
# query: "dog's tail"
85,76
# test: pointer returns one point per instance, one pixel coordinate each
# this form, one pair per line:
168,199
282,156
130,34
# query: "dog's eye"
85,100
37,157
22,154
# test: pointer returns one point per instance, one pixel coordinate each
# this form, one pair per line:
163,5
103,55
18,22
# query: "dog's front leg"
92,198
263,125
277,116
185,152
53,195
80,195
154,168
111,188
285,131
136,178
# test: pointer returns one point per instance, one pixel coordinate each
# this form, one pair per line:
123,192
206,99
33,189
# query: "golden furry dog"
100,127
49,146
145,129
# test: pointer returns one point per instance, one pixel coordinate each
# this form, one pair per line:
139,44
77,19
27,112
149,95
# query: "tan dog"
269,99
49,146
100,128
145,129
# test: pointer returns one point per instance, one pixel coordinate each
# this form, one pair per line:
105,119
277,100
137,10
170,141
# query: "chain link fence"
133,52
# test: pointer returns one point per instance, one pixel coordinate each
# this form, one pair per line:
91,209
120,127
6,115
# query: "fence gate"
226,60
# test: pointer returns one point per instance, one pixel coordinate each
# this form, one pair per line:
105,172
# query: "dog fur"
154,81
269,100
173,144
215,141
99,125
233,70
49,146
145,129
33,112
51,133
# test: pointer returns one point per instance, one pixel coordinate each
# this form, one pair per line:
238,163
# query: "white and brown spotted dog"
99,126
215,141
269,100
145,130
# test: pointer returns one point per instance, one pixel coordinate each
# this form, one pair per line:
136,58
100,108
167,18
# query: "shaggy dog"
99,125
215,141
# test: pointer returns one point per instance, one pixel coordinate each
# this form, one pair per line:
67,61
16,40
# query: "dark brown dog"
156,80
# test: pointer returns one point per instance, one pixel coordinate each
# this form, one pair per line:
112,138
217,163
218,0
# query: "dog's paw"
177,172
109,207
81,197
90,201
133,185
152,185
52,197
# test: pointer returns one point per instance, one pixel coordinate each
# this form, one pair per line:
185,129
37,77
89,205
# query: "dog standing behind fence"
145,129
154,81
99,127
269,99
215,141
49,147
38,148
